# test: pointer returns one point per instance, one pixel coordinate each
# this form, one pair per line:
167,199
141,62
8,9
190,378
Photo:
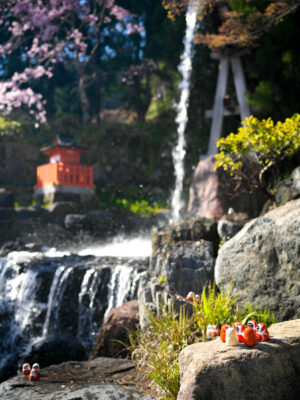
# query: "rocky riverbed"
100,379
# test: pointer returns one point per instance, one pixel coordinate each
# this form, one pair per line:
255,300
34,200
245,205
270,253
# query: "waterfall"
185,69
56,291
43,298
88,323
123,285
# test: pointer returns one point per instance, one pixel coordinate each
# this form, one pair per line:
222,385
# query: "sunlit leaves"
269,142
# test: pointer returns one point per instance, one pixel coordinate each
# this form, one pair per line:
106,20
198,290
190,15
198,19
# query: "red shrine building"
64,177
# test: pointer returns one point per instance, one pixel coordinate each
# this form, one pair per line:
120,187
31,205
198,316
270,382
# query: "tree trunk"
85,106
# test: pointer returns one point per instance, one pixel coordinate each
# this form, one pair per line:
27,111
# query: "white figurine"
231,337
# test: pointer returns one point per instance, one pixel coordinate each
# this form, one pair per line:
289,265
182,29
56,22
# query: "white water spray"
121,246
123,282
185,69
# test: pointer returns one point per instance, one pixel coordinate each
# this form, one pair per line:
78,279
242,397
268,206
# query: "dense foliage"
157,349
262,145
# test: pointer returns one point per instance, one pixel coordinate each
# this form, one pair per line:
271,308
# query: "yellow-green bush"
267,143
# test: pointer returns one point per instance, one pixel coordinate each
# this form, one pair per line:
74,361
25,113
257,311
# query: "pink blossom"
120,13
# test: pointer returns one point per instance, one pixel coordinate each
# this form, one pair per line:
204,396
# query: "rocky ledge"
269,371
100,379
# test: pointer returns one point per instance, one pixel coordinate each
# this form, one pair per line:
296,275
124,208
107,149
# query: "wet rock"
63,207
100,379
284,192
6,214
227,229
54,350
269,370
188,230
33,213
262,261
76,222
114,331
186,265
6,198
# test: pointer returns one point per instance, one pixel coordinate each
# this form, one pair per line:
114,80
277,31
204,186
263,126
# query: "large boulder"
270,370
184,253
211,194
262,261
186,265
114,331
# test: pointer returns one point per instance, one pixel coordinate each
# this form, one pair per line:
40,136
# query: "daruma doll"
212,330
240,329
262,332
249,337
223,332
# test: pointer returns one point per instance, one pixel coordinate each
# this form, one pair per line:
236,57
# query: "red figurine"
212,331
240,328
190,296
235,324
253,324
34,375
262,332
37,367
249,337
223,332
26,369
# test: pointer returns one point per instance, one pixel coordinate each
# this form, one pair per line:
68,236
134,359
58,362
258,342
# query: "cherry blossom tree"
47,32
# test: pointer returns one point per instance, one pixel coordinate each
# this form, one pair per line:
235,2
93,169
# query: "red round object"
240,329
34,375
223,332
235,324
26,369
253,324
262,332
212,330
249,337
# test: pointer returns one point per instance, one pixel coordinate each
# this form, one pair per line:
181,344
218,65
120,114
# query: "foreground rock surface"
262,261
100,379
269,371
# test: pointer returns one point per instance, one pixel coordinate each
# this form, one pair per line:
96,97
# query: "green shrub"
262,145
157,349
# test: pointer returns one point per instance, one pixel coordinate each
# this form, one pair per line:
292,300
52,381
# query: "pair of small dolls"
240,333
32,373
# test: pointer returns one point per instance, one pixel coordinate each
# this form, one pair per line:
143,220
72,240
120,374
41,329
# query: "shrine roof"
66,141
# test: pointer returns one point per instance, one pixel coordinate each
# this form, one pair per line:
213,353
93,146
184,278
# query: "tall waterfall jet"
185,69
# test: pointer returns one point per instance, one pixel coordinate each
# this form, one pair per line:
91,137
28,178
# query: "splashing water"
124,281
121,247
185,68
60,276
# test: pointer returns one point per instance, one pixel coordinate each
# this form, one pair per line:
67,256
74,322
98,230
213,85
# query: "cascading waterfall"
60,277
87,323
123,284
185,69
44,297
